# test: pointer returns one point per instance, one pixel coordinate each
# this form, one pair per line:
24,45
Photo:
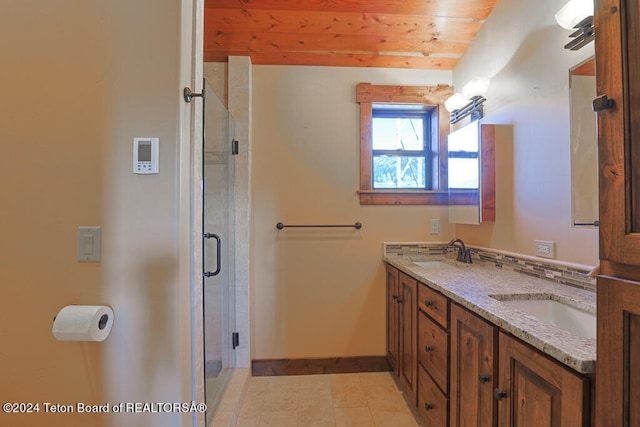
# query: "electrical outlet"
435,226
544,248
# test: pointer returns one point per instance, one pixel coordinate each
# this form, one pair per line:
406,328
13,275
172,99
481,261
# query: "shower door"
218,247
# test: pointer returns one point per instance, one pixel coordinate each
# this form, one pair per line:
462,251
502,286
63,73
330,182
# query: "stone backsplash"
556,271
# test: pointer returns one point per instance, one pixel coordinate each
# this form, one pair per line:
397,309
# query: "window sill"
403,197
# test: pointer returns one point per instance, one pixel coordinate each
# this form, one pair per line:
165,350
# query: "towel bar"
280,226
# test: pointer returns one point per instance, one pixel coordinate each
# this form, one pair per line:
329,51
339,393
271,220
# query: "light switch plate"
89,243
544,248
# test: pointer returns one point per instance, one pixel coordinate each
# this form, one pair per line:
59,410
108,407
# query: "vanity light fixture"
469,102
577,15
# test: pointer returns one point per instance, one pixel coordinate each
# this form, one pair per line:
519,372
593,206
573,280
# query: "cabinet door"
535,391
473,371
618,375
393,342
617,24
408,330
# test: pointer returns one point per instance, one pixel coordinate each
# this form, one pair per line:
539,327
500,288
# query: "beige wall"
80,80
320,292
521,48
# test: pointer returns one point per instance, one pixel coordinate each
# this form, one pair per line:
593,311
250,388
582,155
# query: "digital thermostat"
145,155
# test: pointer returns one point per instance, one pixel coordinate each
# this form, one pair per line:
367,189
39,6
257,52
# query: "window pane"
398,133
398,172
463,173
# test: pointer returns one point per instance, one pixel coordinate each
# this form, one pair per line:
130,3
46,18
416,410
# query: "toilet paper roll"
83,323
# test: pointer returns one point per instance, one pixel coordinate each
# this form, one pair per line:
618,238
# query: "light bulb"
455,102
477,86
573,12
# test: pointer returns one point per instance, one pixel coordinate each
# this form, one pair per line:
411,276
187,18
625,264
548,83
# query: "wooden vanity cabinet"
473,369
461,370
535,391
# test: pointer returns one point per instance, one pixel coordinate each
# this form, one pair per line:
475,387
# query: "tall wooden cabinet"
617,27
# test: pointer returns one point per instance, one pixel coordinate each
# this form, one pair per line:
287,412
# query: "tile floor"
363,399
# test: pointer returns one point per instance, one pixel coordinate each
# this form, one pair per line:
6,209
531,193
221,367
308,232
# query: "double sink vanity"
503,340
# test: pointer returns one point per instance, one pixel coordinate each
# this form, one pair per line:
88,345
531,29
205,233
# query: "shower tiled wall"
239,86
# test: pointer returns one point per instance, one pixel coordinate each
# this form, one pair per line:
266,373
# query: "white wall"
520,47
319,292
80,80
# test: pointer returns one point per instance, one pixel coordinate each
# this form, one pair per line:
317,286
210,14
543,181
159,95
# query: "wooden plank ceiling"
426,34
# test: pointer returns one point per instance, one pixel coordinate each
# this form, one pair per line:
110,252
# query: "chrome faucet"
464,254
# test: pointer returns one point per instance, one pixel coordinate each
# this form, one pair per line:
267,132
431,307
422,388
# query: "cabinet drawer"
434,304
433,354
432,403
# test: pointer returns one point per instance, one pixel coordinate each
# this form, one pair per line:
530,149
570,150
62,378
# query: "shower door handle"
217,271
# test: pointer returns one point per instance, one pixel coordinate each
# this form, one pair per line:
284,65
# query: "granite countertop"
471,285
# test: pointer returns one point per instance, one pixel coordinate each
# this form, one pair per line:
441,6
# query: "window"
401,149
403,156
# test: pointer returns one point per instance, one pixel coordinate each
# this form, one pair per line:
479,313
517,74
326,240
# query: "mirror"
584,146
471,174
463,165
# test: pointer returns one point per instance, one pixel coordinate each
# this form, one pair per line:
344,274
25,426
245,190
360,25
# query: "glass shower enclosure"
218,248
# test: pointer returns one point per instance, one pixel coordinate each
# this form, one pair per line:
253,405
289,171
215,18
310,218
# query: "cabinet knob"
428,303
428,406
602,102
399,301
428,349
395,297
499,394
484,379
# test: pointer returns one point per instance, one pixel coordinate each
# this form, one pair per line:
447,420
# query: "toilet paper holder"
78,322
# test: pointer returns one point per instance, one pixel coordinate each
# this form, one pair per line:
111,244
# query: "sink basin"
562,315
433,264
